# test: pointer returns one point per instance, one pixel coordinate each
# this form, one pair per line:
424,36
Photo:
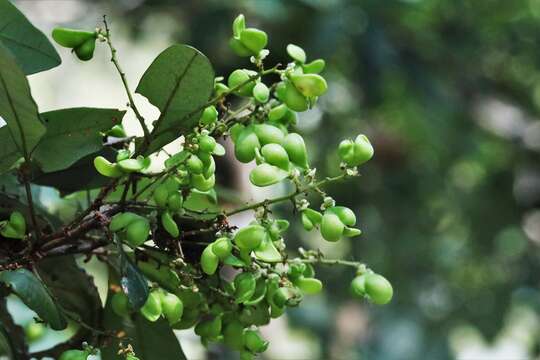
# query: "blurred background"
449,93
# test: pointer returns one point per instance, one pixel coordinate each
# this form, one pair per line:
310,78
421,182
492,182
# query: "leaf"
133,282
29,46
179,82
72,134
12,338
17,107
33,293
9,153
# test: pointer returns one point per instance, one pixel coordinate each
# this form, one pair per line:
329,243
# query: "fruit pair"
159,303
300,91
247,41
357,152
213,253
15,227
82,42
168,195
336,222
299,55
135,228
373,286
123,165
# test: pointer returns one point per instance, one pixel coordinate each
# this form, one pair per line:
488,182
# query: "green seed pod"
314,67
233,335
209,260
8,231
235,131
71,38
209,115
250,237
169,224
287,296
310,85
117,131
172,308
220,89
281,89
351,232
254,341
222,247
276,155
296,270
314,216
254,39
345,214
239,77
294,98
259,294
244,285
85,51
120,304
239,48
307,223
219,150
137,232
74,355
357,152
358,285
172,184
268,134
123,154
309,272
207,143
261,93
17,221
246,144
106,168
200,183
296,149
34,331
133,165
210,169
267,252
175,202
266,175
161,195
151,309
210,328
277,112
238,25
309,286
296,53
195,164
331,227
378,289
131,357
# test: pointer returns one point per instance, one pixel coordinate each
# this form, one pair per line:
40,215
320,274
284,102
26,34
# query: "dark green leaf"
12,338
133,283
9,153
179,82
176,159
31,48
34,294
17,107
73,134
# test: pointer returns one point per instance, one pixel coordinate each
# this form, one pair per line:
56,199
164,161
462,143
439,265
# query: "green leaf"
29,46
73,134
179,82
17,107
133,282
34,294
9,153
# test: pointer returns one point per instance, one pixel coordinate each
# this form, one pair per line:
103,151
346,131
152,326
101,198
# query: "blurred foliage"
449,93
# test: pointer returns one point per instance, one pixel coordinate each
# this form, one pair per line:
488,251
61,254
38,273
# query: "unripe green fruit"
175,202
220,89
358,285
219,150
123,154
331,227
209,115
238,25
200,183
235,131
246,144
195,164
345,214
294,98
351,232
239,77
258,295
314,67
310,218
222,247
172,184
296,53
309,286
310,85
133,165
122,220
209,328
277,112
244,285
8,231
34,331
296,270
120,304
261,93
117,131
276,155
207,143
254,39
268,134
287,296
74,355
254,341
233,335
246,355
17,221
106,168
172,308
378,289
296,149
357,152
161,195
250,237
239,48
266,175
209,260
131,357
137,232
267,251
210,168
169,224
281,89
151,309
85,51
71,38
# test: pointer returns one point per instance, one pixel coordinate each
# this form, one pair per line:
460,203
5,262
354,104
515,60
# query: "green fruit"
296,149
123,154
233,335
259,294
277,112
161,195
239,77
351,232
287,296
210,169
261,93
309,286
172,184
378,289
239,24
131,357
209,260
8,231
172,308
310,218
296,53
34,331
71,38
120,304
151,309
331,227
207,143
74,355
345,214
134,165
246,144
117,131
17,221
195,164
254,39
357,152
244,285
219,150
294,98
268,134
200,183
266,175
235,131
310,85
169,224
254,341
137,232
250,237
358,285
175,202
210,328
314,67
209,115
222,247
85,51
267,252
239,48
220,89
106,168
276,155
246,355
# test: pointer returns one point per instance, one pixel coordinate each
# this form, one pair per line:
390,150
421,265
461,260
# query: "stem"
114,60
317,260
30,201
